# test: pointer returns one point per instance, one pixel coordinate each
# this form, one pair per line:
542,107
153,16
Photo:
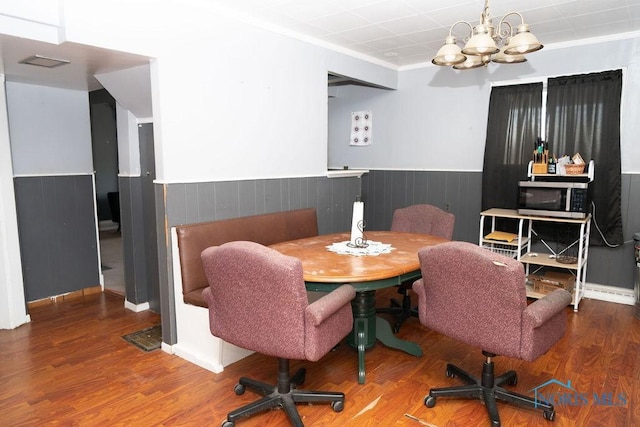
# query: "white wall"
35,19
128,143
131,88
437,118
230,101
49,123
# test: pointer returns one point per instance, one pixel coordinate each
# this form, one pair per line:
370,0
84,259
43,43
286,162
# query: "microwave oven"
555,199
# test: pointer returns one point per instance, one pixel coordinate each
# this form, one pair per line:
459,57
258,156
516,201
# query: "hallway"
112,260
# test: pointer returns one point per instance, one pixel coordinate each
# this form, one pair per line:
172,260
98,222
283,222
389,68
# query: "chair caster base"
488,390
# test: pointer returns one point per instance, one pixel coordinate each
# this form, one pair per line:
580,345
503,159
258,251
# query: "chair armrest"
545,308
323,308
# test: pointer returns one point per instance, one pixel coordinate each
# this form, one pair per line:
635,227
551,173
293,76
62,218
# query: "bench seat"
266,229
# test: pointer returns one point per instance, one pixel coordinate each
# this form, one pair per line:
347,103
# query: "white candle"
356,222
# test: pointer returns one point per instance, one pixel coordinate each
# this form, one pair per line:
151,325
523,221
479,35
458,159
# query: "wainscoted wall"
139,243
460,193
139,227
199,202
57,231
456,192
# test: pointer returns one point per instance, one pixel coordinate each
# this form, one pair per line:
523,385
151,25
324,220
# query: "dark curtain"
583,116
512,129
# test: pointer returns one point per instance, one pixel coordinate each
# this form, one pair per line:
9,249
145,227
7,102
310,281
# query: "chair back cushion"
256,298
424,219
473,295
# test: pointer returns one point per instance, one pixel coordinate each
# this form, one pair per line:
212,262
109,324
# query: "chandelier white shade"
487,43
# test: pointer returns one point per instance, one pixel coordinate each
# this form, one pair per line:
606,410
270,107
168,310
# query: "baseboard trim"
136,308
192,357
609,294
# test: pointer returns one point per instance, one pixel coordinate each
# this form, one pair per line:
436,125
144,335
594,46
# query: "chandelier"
487,43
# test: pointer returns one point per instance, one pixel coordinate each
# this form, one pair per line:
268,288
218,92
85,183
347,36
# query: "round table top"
322,266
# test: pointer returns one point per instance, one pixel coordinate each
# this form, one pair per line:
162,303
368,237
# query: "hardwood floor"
70,366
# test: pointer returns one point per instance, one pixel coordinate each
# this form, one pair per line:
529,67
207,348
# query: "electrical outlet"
447,206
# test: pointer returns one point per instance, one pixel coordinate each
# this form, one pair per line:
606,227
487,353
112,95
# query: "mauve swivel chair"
257,300
479,298
422,219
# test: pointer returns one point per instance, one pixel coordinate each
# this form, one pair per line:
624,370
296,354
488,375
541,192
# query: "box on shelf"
552,280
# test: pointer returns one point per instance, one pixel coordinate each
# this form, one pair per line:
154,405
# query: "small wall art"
361,122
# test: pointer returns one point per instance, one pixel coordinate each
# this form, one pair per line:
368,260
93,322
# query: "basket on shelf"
574,169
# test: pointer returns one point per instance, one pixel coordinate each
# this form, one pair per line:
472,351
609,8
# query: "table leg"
361,338
363,334
386,337
367,327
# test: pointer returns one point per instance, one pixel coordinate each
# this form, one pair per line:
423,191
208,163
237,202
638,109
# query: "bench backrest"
265,229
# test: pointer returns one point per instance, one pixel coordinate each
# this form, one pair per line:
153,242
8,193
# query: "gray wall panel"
177,209
261,194
34,243
226,202
76,242
192,203
296,200
134,235
285,194
149,248
127,237
204,198
386,191
273,196
324,206
57,230
247,197
399,188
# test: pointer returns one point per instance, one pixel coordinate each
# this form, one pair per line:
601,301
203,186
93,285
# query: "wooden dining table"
325,271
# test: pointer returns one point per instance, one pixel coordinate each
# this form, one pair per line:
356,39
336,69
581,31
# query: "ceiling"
410,32
398,33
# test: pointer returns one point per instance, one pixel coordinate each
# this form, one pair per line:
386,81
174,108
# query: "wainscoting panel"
210,201
456,192
57,231
615,266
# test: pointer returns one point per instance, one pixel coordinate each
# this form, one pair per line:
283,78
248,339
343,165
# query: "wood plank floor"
70,366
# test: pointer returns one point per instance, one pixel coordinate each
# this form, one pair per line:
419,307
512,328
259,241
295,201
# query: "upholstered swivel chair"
478,297
257,300
423,219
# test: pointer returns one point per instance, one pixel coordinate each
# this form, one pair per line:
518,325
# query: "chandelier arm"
461,22
503,20
504,33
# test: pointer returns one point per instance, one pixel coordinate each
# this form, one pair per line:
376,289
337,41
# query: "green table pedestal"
367,327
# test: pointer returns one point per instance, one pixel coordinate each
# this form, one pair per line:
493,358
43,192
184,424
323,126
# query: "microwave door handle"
567,207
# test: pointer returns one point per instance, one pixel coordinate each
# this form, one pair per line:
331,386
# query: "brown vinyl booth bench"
194,341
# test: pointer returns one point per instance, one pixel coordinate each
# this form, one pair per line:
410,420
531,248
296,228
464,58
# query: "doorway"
104,141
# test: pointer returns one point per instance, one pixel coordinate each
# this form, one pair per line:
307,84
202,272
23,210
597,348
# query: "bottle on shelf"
551,166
